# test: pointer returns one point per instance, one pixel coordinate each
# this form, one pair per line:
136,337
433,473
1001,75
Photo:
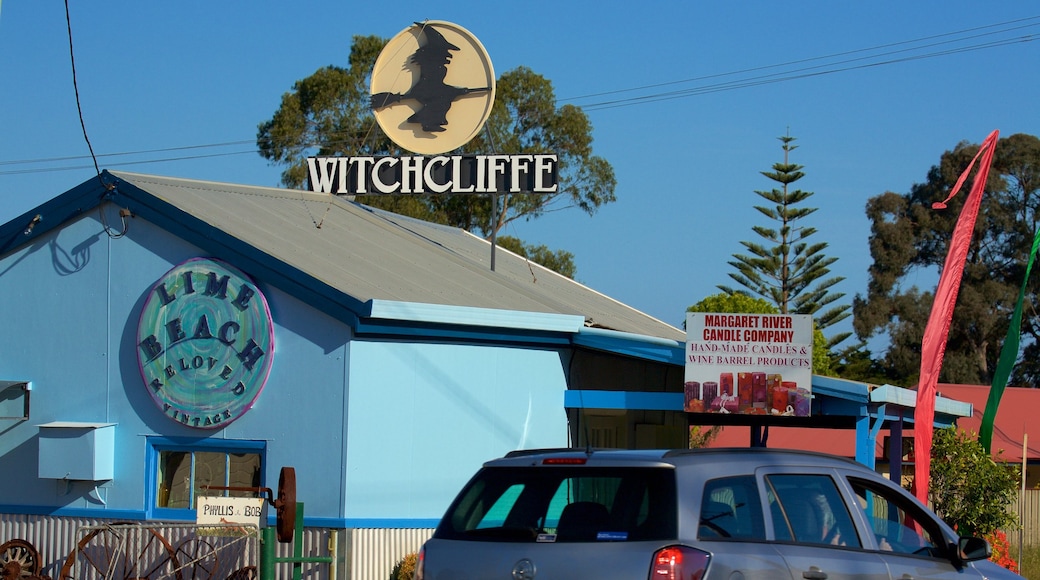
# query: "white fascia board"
952,407
470,316
895,395
908,398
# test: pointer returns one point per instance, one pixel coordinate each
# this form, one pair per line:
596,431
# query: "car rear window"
564,504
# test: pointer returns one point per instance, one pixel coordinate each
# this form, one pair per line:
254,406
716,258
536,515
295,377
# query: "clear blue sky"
874,92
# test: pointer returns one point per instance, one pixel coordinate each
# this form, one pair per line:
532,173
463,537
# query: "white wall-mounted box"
81,451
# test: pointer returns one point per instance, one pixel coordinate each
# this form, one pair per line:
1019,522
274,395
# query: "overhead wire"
785,75
82,123
141,152
810,71
126,163
776,78
812,59
75,88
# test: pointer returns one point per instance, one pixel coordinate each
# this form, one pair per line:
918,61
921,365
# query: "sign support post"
268,559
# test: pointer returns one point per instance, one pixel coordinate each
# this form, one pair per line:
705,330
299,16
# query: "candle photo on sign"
752,364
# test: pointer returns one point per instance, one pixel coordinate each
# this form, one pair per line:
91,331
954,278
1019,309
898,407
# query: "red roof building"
1016,418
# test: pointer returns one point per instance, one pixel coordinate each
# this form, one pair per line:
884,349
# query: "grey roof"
367,254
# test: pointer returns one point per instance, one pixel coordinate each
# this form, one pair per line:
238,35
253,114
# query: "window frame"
835,500
749,516
896,497
157,445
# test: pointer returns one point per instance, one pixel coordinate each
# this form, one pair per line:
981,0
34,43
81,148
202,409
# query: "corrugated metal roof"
1015,419
366,254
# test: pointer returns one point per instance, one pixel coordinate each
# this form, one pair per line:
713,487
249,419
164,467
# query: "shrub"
968,489
404,569
1001,550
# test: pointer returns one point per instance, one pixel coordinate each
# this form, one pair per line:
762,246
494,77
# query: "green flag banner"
1008,356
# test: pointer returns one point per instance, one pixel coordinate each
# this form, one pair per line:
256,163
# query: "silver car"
692,514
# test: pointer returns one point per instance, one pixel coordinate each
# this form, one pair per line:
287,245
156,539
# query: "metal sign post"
268,558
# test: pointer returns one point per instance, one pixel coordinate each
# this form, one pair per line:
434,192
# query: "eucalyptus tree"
328,114
909,242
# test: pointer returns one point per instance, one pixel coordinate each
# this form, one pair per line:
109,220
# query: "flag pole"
1021,499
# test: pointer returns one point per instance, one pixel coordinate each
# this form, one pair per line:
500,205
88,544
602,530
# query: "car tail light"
679,563
419,560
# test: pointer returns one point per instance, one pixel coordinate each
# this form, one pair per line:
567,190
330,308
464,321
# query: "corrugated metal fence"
89,549
362,554
373,552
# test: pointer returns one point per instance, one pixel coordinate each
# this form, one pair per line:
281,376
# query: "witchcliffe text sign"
447,174
750,364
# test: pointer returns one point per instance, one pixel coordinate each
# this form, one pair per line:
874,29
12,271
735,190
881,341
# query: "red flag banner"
933,344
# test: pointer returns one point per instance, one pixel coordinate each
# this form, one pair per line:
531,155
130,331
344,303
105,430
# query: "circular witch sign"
433,87
205,343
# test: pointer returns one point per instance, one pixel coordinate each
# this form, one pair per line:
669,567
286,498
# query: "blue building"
166,338
163,335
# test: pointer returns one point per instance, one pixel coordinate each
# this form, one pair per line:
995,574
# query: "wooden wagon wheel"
106,553
285,505
18,559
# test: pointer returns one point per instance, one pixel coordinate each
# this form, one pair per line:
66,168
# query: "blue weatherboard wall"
423,417
380,432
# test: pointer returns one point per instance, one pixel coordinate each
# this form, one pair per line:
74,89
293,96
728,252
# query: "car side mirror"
970,549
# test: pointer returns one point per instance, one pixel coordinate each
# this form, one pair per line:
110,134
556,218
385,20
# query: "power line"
125,153
75,87
776,77
125,163
804,72
812,59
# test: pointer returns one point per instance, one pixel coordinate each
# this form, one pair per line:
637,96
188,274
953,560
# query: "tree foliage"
969,490
702,435
908,244
404,569
736,303
328,113
784,267
857,364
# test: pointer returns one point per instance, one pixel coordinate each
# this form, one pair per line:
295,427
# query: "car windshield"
564,504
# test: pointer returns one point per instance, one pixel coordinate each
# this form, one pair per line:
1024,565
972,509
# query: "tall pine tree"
784,268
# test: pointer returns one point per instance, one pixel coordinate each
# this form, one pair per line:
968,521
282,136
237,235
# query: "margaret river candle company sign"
757,364
205,343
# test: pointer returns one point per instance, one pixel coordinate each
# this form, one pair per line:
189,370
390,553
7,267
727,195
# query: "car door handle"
814,573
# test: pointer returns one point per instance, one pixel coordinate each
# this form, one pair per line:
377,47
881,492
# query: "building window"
182,473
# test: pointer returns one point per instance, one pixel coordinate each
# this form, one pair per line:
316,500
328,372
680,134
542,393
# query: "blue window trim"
155,445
